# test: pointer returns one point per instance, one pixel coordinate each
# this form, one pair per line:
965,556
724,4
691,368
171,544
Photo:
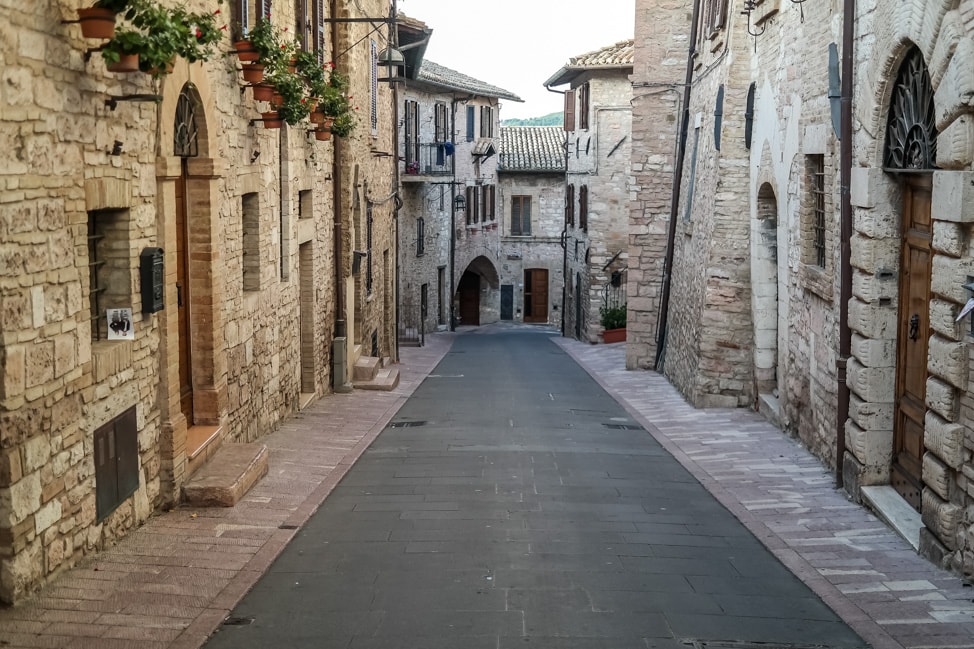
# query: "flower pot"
246,52
253,72
272,119
316,117
97,22
126,63
322,135
263,91
614,335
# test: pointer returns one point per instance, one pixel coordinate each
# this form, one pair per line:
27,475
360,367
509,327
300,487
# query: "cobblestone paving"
866,572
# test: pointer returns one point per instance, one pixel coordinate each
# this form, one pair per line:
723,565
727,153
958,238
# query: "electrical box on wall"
152,276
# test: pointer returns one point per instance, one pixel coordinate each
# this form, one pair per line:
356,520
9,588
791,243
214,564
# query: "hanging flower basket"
125,63
263,91
272,119
97,22
253,72
246,52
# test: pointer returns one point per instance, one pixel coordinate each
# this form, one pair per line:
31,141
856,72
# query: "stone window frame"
109,267
817,237
521,218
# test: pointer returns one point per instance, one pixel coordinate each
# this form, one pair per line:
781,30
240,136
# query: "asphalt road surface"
513,503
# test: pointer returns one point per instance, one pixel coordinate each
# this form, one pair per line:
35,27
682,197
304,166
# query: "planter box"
614,335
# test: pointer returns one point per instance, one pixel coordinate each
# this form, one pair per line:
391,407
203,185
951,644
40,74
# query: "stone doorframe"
876,248
209,370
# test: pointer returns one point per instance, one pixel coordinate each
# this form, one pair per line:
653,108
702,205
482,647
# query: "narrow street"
511,502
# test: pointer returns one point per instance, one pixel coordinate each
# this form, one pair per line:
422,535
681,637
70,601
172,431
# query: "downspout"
397,204
664,304
337,213
845,233
453,222
564,231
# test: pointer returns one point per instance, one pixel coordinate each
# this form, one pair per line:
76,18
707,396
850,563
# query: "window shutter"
583,107
319,29
583,207
265,8
526,216
570,206
570,110
516,215
470,205
493,202
470,123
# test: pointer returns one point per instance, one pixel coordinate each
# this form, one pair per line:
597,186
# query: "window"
570,207
374,90
492,203
368,250
583,208
583,96
305,202
487,197
471,113
716,16
116,463
240,17
265,8
570,110
486,121
318,29
109,272
520,215
411,135
420,236
250,209
818,208
302,23
473,205
441,122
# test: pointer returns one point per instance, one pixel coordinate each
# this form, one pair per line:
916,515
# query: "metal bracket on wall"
112,102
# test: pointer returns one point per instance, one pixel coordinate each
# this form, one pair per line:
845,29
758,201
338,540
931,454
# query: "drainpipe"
397,204
337,216
564,231
675,196
845,232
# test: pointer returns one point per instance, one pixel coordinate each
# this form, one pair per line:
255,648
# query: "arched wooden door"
536,295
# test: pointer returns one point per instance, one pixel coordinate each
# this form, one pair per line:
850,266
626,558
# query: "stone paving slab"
860,567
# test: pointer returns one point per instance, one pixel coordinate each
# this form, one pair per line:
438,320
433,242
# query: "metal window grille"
95,263
818,209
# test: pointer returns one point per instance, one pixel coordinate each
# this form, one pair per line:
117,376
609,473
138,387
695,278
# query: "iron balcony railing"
434,159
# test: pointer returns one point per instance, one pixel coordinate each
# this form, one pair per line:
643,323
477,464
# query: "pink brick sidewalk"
169,584
869,575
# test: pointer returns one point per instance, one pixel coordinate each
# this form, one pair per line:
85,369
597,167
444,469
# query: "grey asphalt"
511,502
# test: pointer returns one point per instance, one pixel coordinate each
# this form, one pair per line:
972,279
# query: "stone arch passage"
765,302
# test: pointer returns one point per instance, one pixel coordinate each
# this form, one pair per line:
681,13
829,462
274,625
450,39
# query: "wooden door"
469,295
913,334
536,295
182,301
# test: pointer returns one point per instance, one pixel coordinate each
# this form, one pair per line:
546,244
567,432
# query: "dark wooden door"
182,301
913,334
507,302
536,295
469,295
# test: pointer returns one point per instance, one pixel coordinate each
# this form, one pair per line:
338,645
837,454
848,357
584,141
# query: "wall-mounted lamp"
393,59
459,203
749,6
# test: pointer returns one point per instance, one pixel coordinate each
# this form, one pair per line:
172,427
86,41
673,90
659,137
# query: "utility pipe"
337,197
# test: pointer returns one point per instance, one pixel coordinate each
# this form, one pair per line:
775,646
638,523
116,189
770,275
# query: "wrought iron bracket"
112,102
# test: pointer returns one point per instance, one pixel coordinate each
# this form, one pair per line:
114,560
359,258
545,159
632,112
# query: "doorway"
913,332
468,293
536,295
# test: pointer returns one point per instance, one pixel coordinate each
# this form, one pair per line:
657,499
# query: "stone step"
365,368
228,476
386,379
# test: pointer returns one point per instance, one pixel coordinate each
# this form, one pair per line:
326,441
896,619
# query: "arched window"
186,131
911,132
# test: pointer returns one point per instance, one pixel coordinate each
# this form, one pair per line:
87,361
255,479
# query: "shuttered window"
486,121
411,133
570,110
570,206
520,215
583,107
583,208
116,463
318,29
470,123
420,236
441,123
492,203
470,205
265,8
239,18
302,23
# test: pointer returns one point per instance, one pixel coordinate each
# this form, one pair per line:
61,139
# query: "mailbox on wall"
152,278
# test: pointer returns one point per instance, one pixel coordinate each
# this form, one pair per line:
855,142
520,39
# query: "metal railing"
412,325
435,159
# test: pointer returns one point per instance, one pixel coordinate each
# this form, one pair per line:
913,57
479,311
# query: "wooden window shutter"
470,123
516,215
318,29
583,207
470,204
526,215
493,202
265,8
583,107
570,206
570,110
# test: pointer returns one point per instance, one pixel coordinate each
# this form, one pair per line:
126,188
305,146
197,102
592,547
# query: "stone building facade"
230,243
739,289
532,218
598,122
448,226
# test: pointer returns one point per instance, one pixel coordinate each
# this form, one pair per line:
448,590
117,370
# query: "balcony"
423,162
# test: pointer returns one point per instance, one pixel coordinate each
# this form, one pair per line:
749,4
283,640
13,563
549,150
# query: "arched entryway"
468,295
910,153
478,293
764,285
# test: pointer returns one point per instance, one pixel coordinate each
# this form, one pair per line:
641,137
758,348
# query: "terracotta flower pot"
272,119
97,22
316,117
614,335
246,51
263,91
126,63
322,135
253,72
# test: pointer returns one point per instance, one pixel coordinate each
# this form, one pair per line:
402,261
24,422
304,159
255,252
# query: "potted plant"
122,52
98,20
292,104
613,320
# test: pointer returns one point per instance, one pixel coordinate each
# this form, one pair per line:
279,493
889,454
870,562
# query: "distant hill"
554,119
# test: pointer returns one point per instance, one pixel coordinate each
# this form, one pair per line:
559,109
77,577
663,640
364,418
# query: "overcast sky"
518,44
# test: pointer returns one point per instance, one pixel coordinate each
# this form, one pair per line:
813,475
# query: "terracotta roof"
532,148
613,57
437,75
